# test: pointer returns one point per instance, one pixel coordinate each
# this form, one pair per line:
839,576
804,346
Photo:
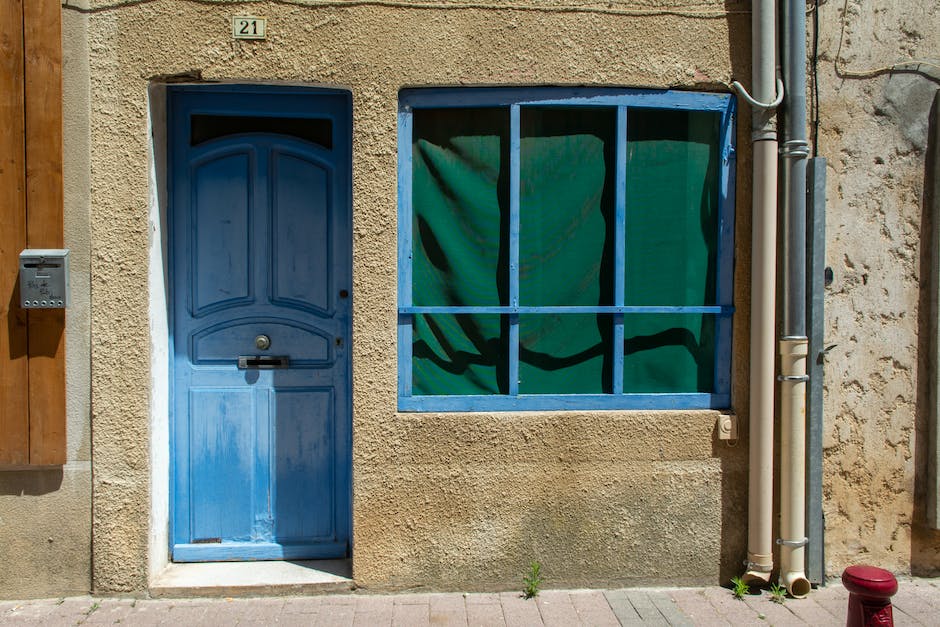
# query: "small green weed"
778,594
740,588
532,580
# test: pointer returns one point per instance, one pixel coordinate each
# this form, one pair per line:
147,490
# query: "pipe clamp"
793,543
792,377
757,568
795,149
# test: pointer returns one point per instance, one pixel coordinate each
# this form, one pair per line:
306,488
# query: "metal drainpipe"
794,344
759,562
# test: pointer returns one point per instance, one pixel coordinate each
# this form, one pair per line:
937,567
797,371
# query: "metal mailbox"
44,278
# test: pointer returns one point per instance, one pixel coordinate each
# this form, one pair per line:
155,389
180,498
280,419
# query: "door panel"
222,230
304,454
260,255
222,451
298,268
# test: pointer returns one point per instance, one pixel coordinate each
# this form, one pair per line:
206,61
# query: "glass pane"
672,207
565,354
208,127
459,354
668,353
460,194
566,206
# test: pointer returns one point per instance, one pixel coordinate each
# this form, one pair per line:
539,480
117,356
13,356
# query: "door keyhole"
263,342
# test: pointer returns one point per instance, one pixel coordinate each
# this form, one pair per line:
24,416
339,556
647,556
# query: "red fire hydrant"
870,591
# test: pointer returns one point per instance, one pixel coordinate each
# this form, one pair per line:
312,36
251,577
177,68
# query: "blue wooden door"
261,265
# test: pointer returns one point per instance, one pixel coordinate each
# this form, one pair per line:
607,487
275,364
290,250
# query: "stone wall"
873,129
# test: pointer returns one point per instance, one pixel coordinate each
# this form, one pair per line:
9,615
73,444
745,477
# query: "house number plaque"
249,27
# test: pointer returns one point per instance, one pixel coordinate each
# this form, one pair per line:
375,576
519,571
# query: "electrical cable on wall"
914,66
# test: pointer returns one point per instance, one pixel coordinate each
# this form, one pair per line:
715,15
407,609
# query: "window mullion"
405,252
620,219
514,157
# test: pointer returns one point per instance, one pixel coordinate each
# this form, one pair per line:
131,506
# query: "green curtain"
566,248
671,249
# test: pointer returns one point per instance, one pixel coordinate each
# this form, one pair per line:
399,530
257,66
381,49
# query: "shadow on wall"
925,542
734,456
34,482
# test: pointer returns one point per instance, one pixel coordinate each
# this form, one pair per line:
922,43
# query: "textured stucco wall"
873,130
444,501
45,514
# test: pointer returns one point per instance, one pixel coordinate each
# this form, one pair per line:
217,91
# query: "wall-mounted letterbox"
44,278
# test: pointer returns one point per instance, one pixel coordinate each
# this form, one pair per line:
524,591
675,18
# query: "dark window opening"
205,128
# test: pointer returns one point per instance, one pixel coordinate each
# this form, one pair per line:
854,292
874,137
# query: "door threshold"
274,578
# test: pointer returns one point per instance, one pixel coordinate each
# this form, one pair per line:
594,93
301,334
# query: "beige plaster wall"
45,514
440,501
873,130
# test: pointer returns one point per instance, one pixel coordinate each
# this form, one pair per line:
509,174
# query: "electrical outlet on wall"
727,427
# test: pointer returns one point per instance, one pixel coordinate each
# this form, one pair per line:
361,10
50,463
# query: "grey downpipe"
794,344
763,294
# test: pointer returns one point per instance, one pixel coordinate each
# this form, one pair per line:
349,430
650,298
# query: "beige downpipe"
793,353
763,291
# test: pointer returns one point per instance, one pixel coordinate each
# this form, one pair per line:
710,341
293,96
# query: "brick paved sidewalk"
917,603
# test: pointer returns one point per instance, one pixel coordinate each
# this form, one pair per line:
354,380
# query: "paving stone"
669,610
913,601
411,614
593,608
693,604
623,608
811,612
476,598
556,608
111,611
519,611
644,606
772,613
834,599
374,610
301,606
480,614
448,609
412,599
336,614
731,609
916,604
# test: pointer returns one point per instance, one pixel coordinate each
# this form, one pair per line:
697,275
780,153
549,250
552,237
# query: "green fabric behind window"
461,206
461,247
461,354
566,240
671,249
672,207
566,206
668,353
565,353
460,187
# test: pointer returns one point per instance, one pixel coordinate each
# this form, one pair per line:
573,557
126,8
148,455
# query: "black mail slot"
263,362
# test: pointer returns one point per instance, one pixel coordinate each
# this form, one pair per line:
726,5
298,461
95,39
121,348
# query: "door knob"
263,342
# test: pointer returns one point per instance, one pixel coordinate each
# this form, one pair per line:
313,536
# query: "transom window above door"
564,248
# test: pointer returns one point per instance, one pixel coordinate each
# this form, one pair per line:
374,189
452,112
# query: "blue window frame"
564,248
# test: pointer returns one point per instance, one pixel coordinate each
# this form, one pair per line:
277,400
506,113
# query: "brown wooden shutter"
32,344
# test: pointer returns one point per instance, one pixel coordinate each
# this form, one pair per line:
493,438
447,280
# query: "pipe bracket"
793,543
757,568
778,96
795,149
792,377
